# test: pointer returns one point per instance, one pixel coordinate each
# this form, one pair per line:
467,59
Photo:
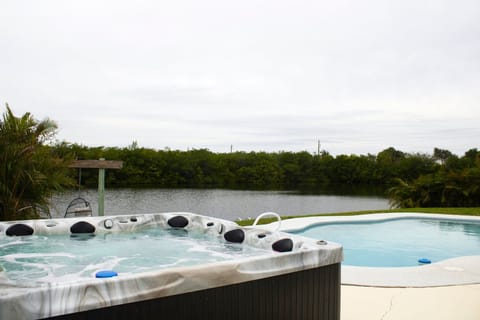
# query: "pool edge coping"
451,272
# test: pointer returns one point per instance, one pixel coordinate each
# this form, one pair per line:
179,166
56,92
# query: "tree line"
408,179
201,168
455,182
33,167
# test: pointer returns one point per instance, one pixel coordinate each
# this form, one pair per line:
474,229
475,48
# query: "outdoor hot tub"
166,265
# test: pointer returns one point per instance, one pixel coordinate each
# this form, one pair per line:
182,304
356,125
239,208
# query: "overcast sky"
272,75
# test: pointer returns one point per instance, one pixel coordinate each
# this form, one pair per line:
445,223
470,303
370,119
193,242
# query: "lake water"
226,204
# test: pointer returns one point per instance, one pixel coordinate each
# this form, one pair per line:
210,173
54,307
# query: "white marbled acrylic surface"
40,300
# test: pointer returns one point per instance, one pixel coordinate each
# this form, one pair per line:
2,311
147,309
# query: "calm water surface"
226,204
402,242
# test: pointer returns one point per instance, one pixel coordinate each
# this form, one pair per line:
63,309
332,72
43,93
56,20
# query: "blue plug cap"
106,274
424,261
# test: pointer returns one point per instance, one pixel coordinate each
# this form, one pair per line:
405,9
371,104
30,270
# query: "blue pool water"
401,242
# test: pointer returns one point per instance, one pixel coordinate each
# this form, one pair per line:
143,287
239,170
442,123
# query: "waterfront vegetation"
30,172
441,179
33,167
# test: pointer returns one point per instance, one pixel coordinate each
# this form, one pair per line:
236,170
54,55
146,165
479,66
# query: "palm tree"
29,172
402,195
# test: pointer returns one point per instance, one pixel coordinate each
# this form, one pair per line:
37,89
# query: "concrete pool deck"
438,303
451,272
442,291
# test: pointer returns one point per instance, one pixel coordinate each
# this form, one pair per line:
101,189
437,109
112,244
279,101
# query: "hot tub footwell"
303,295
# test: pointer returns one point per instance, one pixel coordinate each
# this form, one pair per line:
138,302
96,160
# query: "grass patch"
455,211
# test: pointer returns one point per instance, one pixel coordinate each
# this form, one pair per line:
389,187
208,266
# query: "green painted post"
101,191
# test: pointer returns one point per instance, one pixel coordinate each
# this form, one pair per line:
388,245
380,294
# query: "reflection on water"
226,204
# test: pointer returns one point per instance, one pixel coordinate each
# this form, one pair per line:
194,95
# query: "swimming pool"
401,242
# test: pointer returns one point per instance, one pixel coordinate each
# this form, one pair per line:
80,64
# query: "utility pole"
231,148
318,148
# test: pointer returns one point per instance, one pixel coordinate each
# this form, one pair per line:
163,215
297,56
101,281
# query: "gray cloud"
270,75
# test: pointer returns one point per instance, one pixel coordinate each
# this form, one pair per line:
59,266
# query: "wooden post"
101,165
101,190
